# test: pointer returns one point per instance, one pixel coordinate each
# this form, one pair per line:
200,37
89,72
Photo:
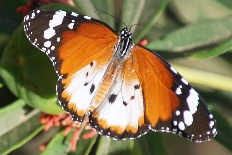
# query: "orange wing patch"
84,59
78,49
156,80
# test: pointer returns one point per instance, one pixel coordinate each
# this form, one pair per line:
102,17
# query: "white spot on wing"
55,21
87,17
74,14
178,90
195,94
188,118
175,123
177,112
211,123
211,116
49,33
32,15
214,131
173,69
71,25
192,102
181,126
184,81
27,17
47,44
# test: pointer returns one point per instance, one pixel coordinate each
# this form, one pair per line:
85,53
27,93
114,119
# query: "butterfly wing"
171,104
148,93
124,99
121,113
79,47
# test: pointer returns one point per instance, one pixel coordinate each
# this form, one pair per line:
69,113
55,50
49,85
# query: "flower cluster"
65,120
33,4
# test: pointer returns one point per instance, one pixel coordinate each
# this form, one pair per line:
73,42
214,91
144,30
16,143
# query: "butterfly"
124,89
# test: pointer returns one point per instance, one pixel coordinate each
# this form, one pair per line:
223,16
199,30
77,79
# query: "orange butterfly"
124,89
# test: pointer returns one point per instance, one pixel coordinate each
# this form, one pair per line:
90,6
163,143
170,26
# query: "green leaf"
4,38
59,6
143,145
131,12
108,7
152,21
198,35
109,146
1,83
9,18
151,143
224,135
197,10
59,145
226,3
84,146
206,78
6,97
18,125
87,8
218,50
29,74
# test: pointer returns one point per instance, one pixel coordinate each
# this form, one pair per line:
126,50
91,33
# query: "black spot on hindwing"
112,98
137,86
92,88
125,103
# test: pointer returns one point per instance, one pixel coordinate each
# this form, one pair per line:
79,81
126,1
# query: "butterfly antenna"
110,15
138,24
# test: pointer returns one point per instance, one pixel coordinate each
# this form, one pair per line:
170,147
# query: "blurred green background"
194,36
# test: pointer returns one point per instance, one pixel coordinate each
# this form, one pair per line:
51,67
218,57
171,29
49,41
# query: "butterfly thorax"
124,45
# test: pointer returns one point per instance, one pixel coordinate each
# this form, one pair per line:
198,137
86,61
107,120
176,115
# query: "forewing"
171,104
79,47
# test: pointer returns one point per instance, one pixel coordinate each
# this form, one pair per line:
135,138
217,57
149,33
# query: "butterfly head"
125,43
125,33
